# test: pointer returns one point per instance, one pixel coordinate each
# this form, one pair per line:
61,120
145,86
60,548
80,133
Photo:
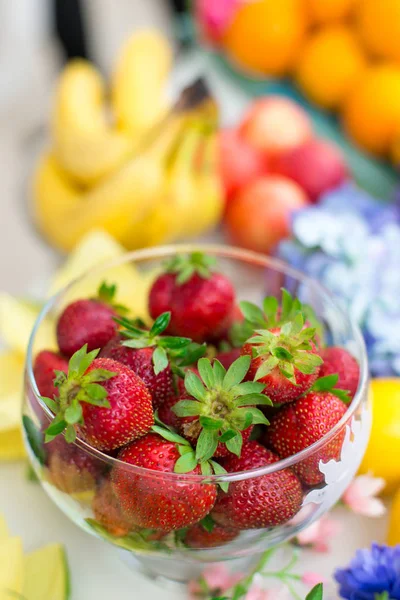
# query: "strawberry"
167,415
284,359
46,364
108,512
71,469
153,356
217,412
201,302
306,421
88,321
102,400
338,360
203,535
257,502
161,500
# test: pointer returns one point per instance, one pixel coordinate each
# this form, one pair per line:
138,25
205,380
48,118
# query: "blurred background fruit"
371,112
316,165
382,458
326,11
378,24
265,36
260,214
274,124
393,534
329,65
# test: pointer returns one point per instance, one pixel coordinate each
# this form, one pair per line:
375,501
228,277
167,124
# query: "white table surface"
96,570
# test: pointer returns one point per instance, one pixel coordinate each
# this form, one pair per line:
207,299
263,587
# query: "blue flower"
371,573
351,243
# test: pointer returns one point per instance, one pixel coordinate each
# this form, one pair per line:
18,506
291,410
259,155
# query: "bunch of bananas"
145,172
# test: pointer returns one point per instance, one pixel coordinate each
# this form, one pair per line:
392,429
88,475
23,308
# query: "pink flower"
215,579
360,496
318,534
214,16
310,578
257,593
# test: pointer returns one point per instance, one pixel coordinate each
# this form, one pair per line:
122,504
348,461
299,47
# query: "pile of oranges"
344,55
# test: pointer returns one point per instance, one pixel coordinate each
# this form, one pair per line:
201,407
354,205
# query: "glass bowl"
79,478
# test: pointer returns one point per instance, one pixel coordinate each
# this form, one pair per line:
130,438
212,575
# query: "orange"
326,11
371,114
265,36
379,27
329,64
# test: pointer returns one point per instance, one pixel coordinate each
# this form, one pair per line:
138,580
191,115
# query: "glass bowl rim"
227,252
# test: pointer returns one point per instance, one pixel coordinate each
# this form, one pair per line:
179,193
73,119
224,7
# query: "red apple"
276,124
240,163
259,216
317,166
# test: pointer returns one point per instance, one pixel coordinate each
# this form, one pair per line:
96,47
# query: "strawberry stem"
185,266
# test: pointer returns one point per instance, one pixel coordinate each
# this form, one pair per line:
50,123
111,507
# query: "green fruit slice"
11,568
46,574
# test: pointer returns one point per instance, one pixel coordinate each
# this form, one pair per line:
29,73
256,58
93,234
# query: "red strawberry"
284,359
46,362
167,415
257,502
70,468
140,361
201,303
88,321
199,537
107,403
304,422
108,512
217,411
155,500
338,360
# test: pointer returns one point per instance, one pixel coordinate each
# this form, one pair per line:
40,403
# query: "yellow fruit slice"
17,319
329,64
11,445
11,568
46,574
94,249
11,379
139,80
326,11
385,434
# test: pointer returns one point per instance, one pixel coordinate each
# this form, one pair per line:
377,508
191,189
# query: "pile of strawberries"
211,387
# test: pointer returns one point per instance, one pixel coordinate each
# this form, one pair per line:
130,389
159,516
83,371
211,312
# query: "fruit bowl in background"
80,479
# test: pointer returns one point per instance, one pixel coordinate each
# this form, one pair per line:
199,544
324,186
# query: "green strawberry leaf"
227,435
59,379
160,360
287,303
235,444
251,399
35,438
256,416
194,386
160,324
73,413
81,361
325,384
186,462
219,470
187,408
174,343
96,392
208,523
252,313
52,404
266,367
270,307
316,593
206,444
70,434
210,423
54,429
106,293
206,372
187,265
236,372
193,352
219,372
343,395
169,435
205,468
281,353
248,387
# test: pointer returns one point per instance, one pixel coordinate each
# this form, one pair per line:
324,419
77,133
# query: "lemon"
329,65
382,458
265,36
326,11
378,23
371,111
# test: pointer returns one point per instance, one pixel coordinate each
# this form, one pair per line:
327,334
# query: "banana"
139,82
85,145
